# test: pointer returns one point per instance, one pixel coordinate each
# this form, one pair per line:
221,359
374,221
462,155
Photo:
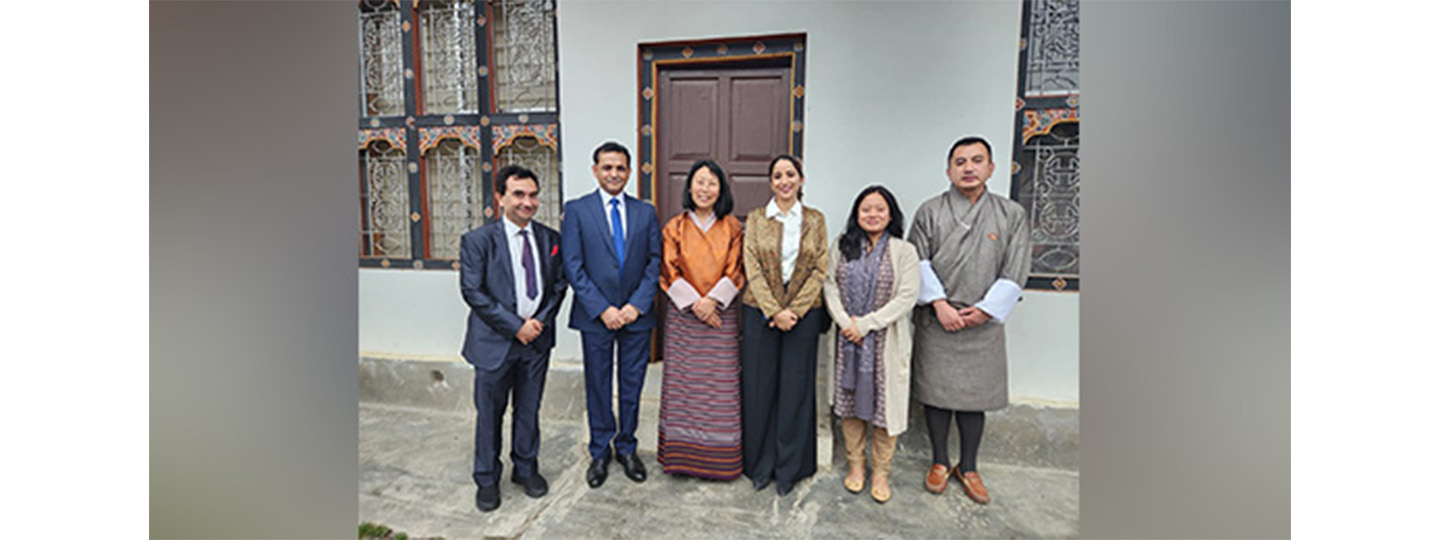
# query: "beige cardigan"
894,316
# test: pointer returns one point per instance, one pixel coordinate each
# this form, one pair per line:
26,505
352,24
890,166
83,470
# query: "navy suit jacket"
487,282
594,270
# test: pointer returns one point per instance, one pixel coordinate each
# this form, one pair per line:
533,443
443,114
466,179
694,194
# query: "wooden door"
737,116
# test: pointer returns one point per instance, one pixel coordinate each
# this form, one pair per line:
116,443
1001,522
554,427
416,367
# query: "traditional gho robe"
973,255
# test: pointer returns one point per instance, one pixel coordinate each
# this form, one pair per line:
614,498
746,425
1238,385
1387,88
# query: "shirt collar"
772,209
511,229
605,198
704,224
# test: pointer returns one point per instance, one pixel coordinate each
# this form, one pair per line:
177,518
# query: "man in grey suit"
510,276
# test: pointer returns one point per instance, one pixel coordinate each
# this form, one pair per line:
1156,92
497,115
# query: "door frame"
651,57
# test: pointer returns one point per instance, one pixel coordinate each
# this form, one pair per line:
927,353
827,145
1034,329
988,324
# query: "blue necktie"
617,231
528,262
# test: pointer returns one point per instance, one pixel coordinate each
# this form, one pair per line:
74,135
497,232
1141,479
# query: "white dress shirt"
790,241
605,199
524,306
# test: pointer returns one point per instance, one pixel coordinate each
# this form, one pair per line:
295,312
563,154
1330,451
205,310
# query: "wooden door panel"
758,114
689,120
689,110
673,196
750,190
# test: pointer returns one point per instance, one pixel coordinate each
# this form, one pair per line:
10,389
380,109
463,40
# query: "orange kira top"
701,258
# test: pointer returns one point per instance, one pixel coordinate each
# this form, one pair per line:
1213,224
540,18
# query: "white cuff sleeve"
682,293
930,287
1000,299
724,292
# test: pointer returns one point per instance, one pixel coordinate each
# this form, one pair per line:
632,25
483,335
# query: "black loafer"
599,470
487,498
535,485
634,469
783,488
761,483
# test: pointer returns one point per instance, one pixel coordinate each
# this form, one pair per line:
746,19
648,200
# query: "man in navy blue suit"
610,243
511,277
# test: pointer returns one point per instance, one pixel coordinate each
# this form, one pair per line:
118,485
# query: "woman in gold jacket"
786,257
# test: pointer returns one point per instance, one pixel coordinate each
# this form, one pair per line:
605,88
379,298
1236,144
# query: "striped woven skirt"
700,396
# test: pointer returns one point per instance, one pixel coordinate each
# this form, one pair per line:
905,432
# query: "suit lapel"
542,248
632,218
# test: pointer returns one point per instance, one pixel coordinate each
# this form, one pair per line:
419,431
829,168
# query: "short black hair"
610,146
967,141
502,177
854,236
725,203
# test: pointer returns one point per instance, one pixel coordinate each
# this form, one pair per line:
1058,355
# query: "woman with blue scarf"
870,290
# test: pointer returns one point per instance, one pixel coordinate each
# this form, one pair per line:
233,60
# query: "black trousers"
522,374
777,396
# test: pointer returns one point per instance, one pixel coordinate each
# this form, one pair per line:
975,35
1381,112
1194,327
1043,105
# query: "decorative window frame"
652,56
417,131
1038,115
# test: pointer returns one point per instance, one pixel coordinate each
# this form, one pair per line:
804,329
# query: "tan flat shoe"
855,481
880,489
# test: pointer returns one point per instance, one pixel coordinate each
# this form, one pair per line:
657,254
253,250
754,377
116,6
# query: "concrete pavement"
416,431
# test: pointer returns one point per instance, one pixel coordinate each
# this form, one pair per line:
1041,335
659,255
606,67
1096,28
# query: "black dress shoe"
535,485
762,483
634,470
487,498
783,488
599,470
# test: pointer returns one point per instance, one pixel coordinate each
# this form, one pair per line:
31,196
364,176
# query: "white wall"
889,86
419,314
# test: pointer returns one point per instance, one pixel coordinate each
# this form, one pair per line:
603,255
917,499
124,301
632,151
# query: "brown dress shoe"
937,478
974,488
